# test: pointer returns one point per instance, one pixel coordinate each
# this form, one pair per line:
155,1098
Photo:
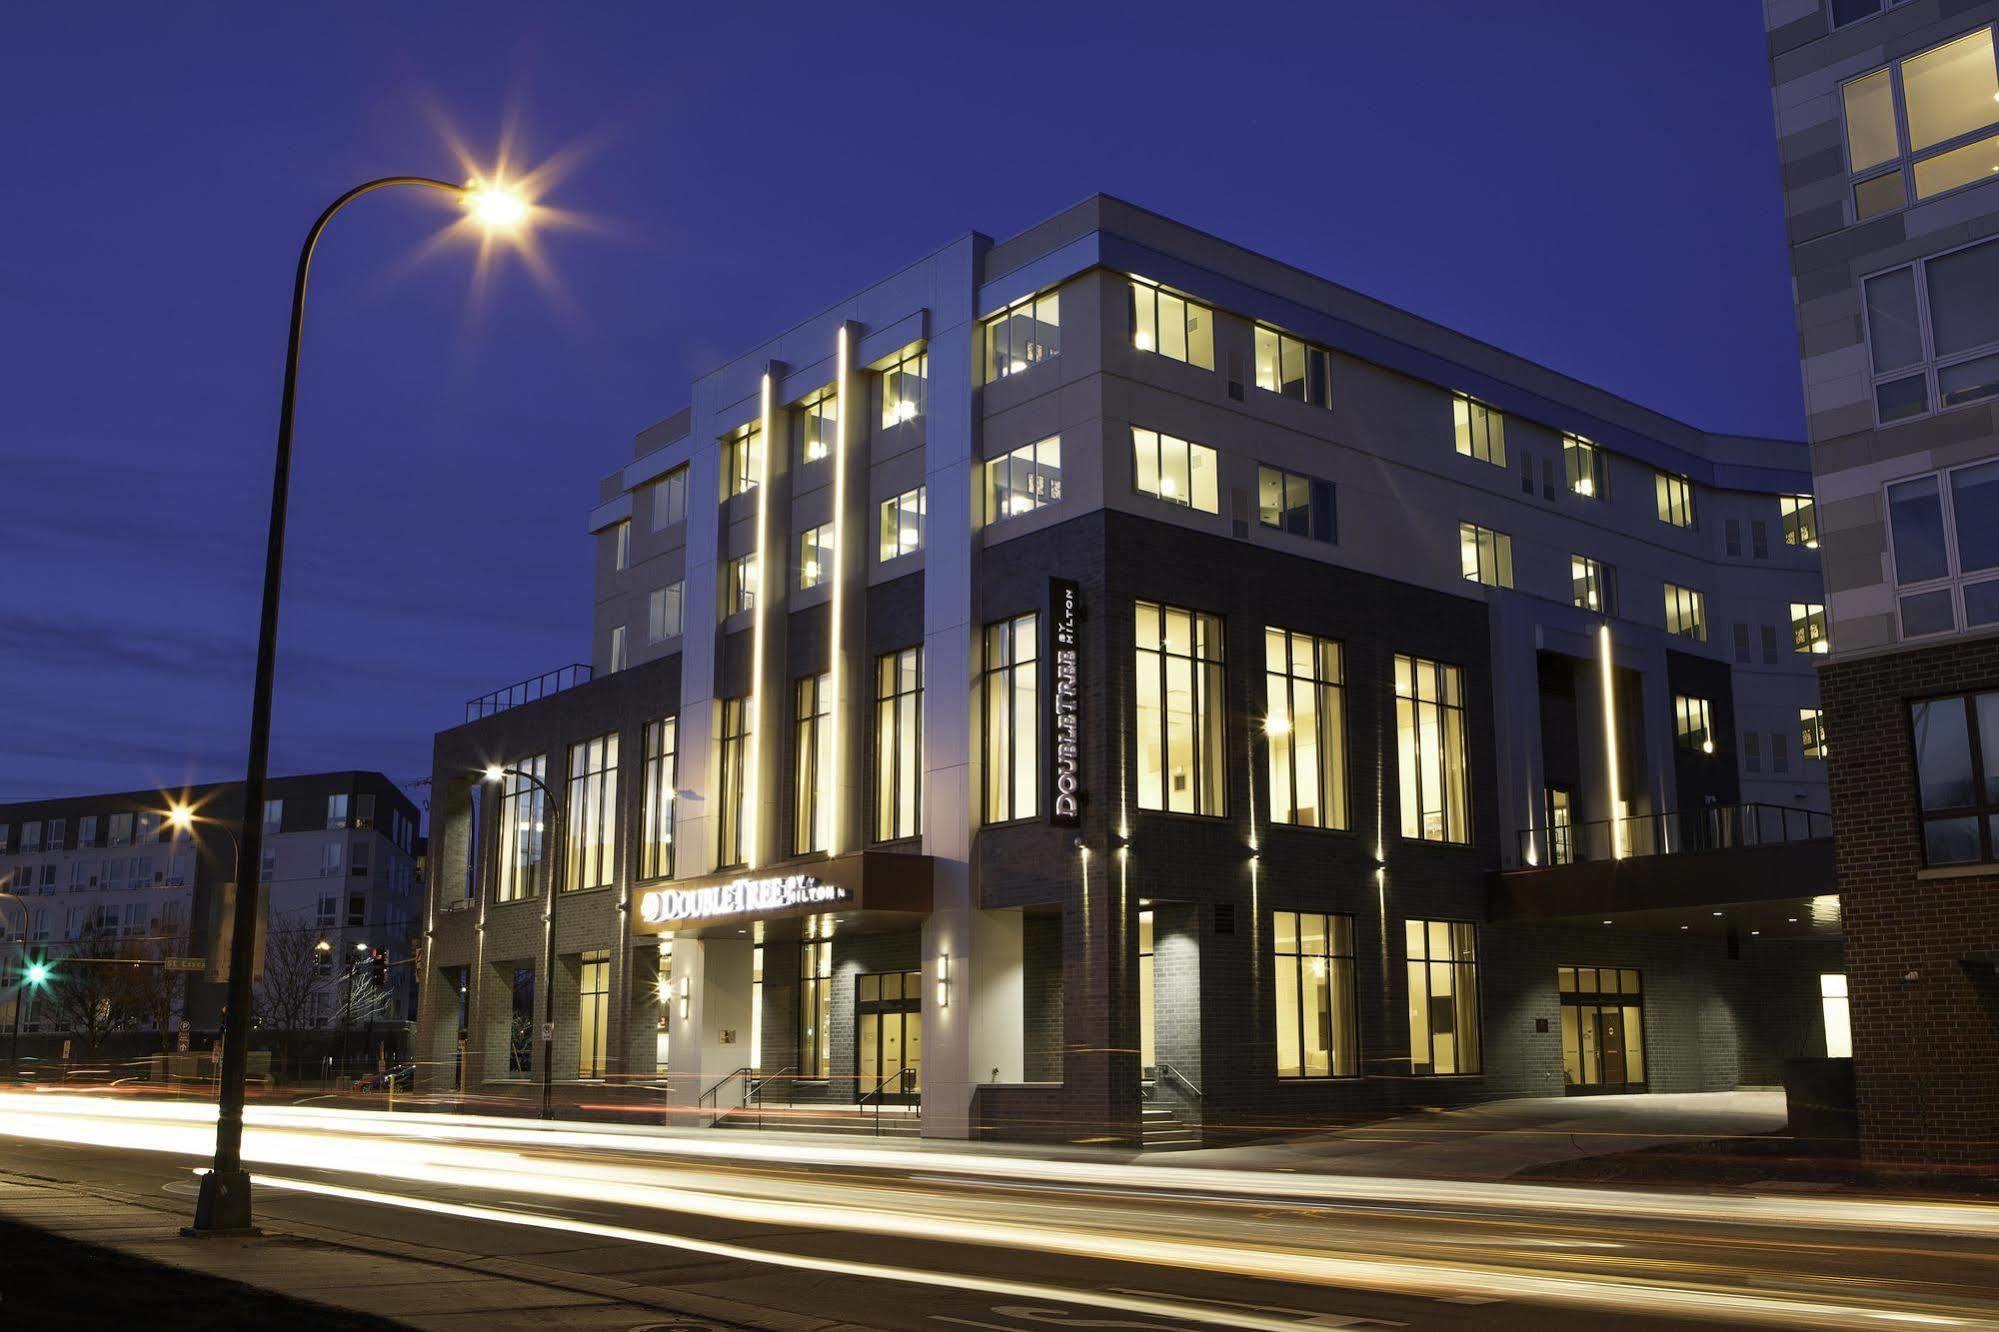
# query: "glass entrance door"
1603,1026
889,1036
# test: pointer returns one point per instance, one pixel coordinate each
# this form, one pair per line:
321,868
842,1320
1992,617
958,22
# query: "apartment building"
1888,129
339,865
1106,680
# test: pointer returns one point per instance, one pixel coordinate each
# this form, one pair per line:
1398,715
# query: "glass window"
1838,1020
663,613
1933,331
1686,612
1300,505
743,461
1585,465
1801,520
1481,430
616,658
1811,733
621,545
1023,335
1173,470
662,772
336,815
1171,325
669,498
902,524
1945,542
815,1008
1012,703
1485,555
274,818
1941,103
1304,727
1692,727
1181,700
1294,368
1442,960
1950,90
1675,495
1024,480
1871,136
1953,738
812,766
739,592
899,744
1852,11
815,556
818,425
1318,1034
1808,628
590,834
1432,765
593,1013
1593,585
733,753
905,388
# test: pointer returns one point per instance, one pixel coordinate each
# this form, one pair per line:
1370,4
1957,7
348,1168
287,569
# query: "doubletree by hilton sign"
738,897
1065,740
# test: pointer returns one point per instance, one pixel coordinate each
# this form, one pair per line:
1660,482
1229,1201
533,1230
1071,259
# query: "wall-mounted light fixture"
683,998
943,980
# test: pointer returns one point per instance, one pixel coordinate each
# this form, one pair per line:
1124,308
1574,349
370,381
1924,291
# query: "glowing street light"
495,207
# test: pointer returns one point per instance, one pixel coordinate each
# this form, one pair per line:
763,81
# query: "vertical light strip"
836,843
753,764
1610,742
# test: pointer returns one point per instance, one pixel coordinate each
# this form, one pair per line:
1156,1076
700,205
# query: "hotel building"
1107,684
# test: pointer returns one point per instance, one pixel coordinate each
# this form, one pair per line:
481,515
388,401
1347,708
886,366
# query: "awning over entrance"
869,889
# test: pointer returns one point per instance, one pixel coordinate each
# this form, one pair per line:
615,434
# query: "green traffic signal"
38,973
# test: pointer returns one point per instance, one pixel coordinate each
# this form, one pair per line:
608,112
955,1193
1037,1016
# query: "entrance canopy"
869,890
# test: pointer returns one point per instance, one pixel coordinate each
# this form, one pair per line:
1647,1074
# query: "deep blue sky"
1590,185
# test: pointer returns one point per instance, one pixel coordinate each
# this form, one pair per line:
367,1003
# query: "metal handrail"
1175,1075
877,1092
1672,832
712,1098
754,1092
530,690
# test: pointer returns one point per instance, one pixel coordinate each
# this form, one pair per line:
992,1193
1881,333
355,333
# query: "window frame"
1448,679
1930,365
1903,164
1207,675
920,358
1589,576
1693,724
739,588
670,492
890,528
1673,500
519,876
1342,988
1039,350
590,814
1194,449
811,764
898,744
1316,488
1014,777
1315,384
1487,445
659,797
734,735
1331,784
821,409
1482,545
815,557
1695,601
1984,809
1814,613
657,620
742,465
1150,341
1811,734
1585,467
1043,480
1463,966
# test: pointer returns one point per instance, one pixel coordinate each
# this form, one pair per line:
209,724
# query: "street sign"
185,1032
186,964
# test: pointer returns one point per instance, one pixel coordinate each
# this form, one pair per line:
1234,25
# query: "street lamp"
496,773
223,1204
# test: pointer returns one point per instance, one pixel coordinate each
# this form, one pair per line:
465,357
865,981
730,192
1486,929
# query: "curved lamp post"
223,1205
551,863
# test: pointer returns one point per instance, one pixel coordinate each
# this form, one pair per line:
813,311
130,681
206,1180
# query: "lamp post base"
223,1207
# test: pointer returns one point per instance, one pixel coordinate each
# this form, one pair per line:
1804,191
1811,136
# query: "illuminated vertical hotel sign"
1065,740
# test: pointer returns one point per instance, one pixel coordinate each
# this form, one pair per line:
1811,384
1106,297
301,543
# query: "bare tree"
160,993
292,978
94,987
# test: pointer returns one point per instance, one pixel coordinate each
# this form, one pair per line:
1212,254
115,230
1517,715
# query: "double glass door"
889,1035
1603,1030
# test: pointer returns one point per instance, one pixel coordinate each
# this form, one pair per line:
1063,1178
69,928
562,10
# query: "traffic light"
378,959
37,972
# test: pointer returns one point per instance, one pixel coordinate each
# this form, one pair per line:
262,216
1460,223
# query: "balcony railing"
528,691
1710,828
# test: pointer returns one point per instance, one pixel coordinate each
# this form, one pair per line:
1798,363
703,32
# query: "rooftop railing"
1709,828
528,691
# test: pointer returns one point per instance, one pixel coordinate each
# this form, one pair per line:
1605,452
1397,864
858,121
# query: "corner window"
590,824
1178,666
1318,1034
1481,430
1686,612
1693,729
662,772
812,766
815,556
1585,466
1801,520
1304,728
663,609
906,388
899,745
1010,694
1592,585
1432,768
1675,496
1173,470
1024,480
1485,556
1933,332
1301,505
1294,368
733,754
742,461
1171,325
1808,628
1924,122
819,423
1023,335
902,524
1442,958
1956,742
669,498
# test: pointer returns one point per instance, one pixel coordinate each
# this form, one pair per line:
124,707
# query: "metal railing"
1709,828
711,1100
528,691
904,1077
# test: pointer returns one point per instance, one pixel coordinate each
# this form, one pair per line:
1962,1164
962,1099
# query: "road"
843,1230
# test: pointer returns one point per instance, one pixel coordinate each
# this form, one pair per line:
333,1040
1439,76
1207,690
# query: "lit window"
1801,520
1024,480
1023,335
819,422
1686,612
1481,430
1171,325
739,592
663,613
590,823
1675,495
815,555
1811,733
1431,763
902,524
1692,728
742,460
616,658
1181,698
1561,827
1442,962
1933,333
1318,1033
1584,464
1943,104
1592,585
1304,727
1293,368
815,1005
662,771
898,744
906,387
523,821
812,794
593,1013
1486,556
1173,470
1808,628
1300,505
1838,1018
1010,687
669,498
621,545
733,753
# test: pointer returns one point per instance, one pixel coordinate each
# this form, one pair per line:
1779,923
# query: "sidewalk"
298,1276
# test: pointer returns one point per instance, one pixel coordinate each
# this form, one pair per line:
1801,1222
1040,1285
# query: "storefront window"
591,837
1430,750
1012,715
1180,699
1304,727
1317,1034
1443,997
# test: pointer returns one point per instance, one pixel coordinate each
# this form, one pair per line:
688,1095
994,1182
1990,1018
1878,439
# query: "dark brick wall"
1920,943
1041,996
